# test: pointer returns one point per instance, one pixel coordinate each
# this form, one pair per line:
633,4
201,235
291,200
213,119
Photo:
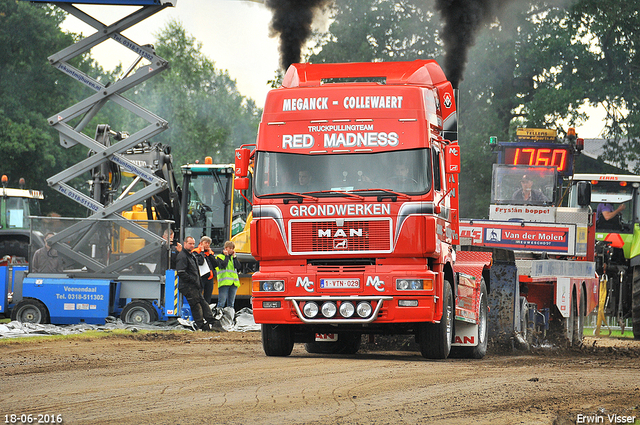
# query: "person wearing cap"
526,193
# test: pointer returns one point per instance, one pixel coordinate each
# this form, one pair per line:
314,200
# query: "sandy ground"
207,378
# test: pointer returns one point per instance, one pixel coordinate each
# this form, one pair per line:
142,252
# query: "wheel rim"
138,316
29,314
449,324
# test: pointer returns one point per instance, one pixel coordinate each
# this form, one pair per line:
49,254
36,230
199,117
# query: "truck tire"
347,343
139,312
435,338
14,247
30,310
579,323
635,303
480,350
277,340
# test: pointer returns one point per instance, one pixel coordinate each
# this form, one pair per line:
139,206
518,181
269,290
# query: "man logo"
305,283
376,283
339,233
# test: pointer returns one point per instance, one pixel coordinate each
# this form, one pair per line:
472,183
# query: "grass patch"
84,336
628,333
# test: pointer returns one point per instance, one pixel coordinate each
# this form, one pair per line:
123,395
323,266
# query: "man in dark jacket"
189,285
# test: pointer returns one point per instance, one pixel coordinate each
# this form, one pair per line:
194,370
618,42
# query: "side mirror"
584,193
241,168
452,159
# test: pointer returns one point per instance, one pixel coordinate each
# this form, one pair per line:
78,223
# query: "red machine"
355,216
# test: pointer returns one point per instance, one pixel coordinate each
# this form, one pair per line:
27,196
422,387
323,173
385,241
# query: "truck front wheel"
277,340
435,338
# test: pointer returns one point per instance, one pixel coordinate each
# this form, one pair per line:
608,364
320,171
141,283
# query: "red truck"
355,214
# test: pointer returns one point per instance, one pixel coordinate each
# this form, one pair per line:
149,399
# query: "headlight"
347,309
329,309
413,284
271,285
310,309
364,309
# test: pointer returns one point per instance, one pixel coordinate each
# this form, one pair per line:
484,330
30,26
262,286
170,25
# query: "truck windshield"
400,171
523,185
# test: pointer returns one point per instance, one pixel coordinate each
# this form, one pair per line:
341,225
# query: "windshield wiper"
298,197
380,197
334,193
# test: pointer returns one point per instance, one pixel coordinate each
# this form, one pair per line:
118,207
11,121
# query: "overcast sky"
234,34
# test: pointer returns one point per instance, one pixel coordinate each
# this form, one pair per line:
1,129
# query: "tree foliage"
612,30
533,65
207,115
31,90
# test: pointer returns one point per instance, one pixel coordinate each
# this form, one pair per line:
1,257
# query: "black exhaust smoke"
292,22
462,21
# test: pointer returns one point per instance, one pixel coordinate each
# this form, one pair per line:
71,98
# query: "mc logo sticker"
376,283
305,283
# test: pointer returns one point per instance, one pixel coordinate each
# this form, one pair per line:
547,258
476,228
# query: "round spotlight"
310,309
267,286
364,309
278,286
329,309
403,285
347,309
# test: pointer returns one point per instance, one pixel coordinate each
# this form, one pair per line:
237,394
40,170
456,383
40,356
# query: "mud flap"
466,334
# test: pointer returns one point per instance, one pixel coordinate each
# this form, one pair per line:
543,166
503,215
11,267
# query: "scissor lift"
104,151
105,273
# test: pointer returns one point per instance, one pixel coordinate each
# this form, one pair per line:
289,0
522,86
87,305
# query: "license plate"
339,283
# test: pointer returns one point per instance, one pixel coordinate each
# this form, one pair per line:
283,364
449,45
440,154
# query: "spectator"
227,272
204,255
189,286
174,246
46,260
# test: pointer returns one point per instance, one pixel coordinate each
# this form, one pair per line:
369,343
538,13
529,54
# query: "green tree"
611,29
207,115
379,30
31,90
533,65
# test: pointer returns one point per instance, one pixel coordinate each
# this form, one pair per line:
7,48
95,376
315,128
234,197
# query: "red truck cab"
355,211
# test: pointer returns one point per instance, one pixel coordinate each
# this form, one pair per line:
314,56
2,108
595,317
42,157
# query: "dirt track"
191,378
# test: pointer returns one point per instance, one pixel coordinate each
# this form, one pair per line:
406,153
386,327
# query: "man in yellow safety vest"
227,274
